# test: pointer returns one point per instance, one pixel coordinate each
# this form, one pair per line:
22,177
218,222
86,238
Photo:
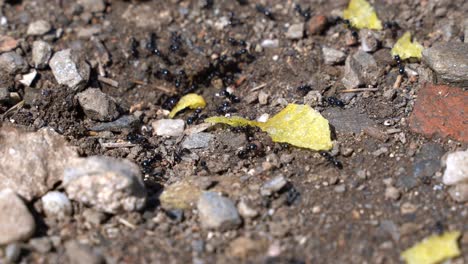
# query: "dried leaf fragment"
362,15
298,125
433,249
192,101
407,49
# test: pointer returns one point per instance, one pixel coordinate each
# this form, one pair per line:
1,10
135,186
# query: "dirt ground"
370,210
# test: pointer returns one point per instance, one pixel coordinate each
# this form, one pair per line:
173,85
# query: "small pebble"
38,28
217,212
56,204
168,127
273,185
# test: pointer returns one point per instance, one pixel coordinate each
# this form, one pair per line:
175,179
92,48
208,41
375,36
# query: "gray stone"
12,253
449,61
295,31
270,43
38,28
272,186
457,168
56,204
98,105
369,42
16,222
348,120
70,69
427,160
41,53
217,212
333,56
392,193
29,78
31,163
360,69
4,95
246,210
197,141
12,63
459,192
41,244
82,254
108,184
168,127
127,122
93,6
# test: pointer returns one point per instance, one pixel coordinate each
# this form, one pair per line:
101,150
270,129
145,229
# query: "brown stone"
7,43
440,110
317,24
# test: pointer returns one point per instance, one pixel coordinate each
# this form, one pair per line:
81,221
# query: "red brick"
441,110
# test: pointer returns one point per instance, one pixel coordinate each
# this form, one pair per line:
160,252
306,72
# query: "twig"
108,81
359,90
163,89
13,108
258,87
126,223
117,145
398,82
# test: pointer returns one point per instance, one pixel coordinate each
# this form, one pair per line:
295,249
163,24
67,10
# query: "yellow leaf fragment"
433,249
298,125
362,15
407,49
191,101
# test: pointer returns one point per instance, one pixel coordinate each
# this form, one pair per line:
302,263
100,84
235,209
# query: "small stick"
258,87
163,89
398,81
359,90
108,81
13,108
139,82
126,223
117,145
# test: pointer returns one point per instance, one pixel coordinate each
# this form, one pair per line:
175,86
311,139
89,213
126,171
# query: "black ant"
333,101
331,159
401,67
170,102
233,21
235,42
254,148
133,47
262,9
304,13
292,195
230,96
181,79
225,108
194,117
242,2
304,88
207,4
391,25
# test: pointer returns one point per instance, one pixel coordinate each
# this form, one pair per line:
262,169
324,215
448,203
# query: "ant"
235,42
304,13
401,67
170,102
194,117
224,108
254,148
304,88
230,96
333,101
133,47
262,9
331,159
242,2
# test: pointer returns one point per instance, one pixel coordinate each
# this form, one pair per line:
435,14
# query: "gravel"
427,160
12,63
39,28
217,212
168,127
31,163
70,69
107,184
98,105
56,204
333,56
360,69
197,141
180,195
449,61
457,168
295,31
93,6
369,42
41,53
272,186
16,222
82,254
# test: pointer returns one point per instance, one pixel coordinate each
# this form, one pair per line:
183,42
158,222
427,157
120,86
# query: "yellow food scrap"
433,249
191,101
407,49
298,125
362,15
